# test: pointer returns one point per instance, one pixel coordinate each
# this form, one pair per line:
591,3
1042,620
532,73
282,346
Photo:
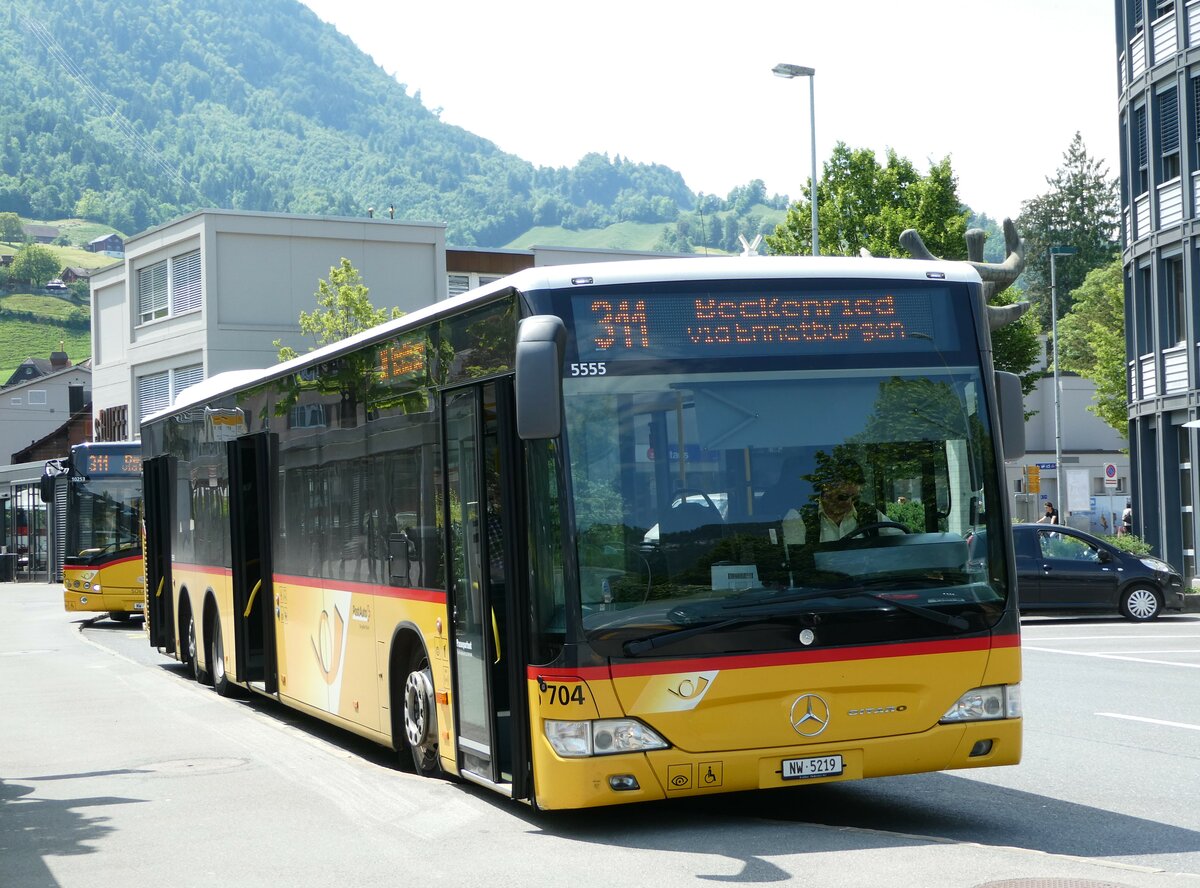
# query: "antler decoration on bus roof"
997,276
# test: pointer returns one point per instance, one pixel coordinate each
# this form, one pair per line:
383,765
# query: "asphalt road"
117,770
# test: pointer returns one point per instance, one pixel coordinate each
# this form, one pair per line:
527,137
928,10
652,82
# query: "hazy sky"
1000,86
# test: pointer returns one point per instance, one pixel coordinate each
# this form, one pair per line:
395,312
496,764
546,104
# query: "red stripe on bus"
436,596
121,560
787,658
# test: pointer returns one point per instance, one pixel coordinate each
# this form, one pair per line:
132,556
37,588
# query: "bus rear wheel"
220,678
119,616
420,716
192,652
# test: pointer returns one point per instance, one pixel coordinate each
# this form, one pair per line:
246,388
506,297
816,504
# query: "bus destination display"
114,464
656,326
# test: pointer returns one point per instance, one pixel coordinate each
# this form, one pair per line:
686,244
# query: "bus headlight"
606,736
985,704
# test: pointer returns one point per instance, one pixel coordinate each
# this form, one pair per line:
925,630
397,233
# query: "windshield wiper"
760,608
927,613
635,647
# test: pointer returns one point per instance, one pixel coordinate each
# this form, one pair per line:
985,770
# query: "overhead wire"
107,108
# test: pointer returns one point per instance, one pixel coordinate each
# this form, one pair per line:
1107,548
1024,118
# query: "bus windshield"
105,514
721,509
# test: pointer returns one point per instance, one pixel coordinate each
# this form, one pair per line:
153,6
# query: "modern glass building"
1158,60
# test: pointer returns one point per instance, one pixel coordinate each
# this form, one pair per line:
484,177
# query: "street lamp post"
792,71
1055,252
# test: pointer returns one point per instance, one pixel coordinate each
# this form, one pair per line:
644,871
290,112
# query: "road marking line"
1163,651
1150,721
1107,637
1045,650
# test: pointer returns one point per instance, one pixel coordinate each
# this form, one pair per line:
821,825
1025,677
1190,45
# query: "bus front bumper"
617,779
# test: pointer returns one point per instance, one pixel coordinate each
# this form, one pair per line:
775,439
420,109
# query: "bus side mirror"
540,343
1011,407
46,484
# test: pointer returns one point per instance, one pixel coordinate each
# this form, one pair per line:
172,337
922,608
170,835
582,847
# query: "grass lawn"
21,339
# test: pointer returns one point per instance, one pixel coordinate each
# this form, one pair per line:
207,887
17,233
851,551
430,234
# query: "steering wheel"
873,528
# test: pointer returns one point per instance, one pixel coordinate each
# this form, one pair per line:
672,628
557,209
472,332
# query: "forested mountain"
131,113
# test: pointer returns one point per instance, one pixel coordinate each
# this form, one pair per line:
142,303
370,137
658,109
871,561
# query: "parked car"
1063,569
56,286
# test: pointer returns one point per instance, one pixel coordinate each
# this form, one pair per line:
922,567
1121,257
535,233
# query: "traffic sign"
1110,475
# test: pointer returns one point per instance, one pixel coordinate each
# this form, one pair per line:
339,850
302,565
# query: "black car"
1063,569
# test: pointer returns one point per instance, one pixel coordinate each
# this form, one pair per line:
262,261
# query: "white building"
1078,489
209,292
33,408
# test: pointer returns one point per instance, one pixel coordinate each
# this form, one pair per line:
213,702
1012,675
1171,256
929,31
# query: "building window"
185,283
152,292
1143,324
184,378
1195,88
157,391
169,288
461,282
1187,529
154,393
1099,488
1135,14
1168,135
37,398
1175,299
1141,166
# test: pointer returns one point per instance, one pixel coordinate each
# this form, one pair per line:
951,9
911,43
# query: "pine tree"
1080,210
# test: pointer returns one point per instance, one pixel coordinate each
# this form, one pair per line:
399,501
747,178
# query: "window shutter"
459,283
1196,107
152,292
154,394
1141,136
185,283
185,378
1168,122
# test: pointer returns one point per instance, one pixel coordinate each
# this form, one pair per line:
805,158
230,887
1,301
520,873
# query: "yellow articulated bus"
102,563
600,534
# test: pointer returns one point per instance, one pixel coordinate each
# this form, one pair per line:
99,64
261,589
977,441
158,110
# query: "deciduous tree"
864,205
33,264
1080,211
343,309
1091,340
11,230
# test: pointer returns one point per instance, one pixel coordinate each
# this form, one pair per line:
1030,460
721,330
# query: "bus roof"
631,271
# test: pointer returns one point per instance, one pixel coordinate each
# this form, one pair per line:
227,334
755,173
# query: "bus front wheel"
420,716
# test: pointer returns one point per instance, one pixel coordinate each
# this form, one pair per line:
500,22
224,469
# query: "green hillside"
622,236
21,339
130,114
691,232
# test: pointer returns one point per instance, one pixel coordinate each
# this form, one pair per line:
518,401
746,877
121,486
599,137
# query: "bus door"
158,485
250,461
485,590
